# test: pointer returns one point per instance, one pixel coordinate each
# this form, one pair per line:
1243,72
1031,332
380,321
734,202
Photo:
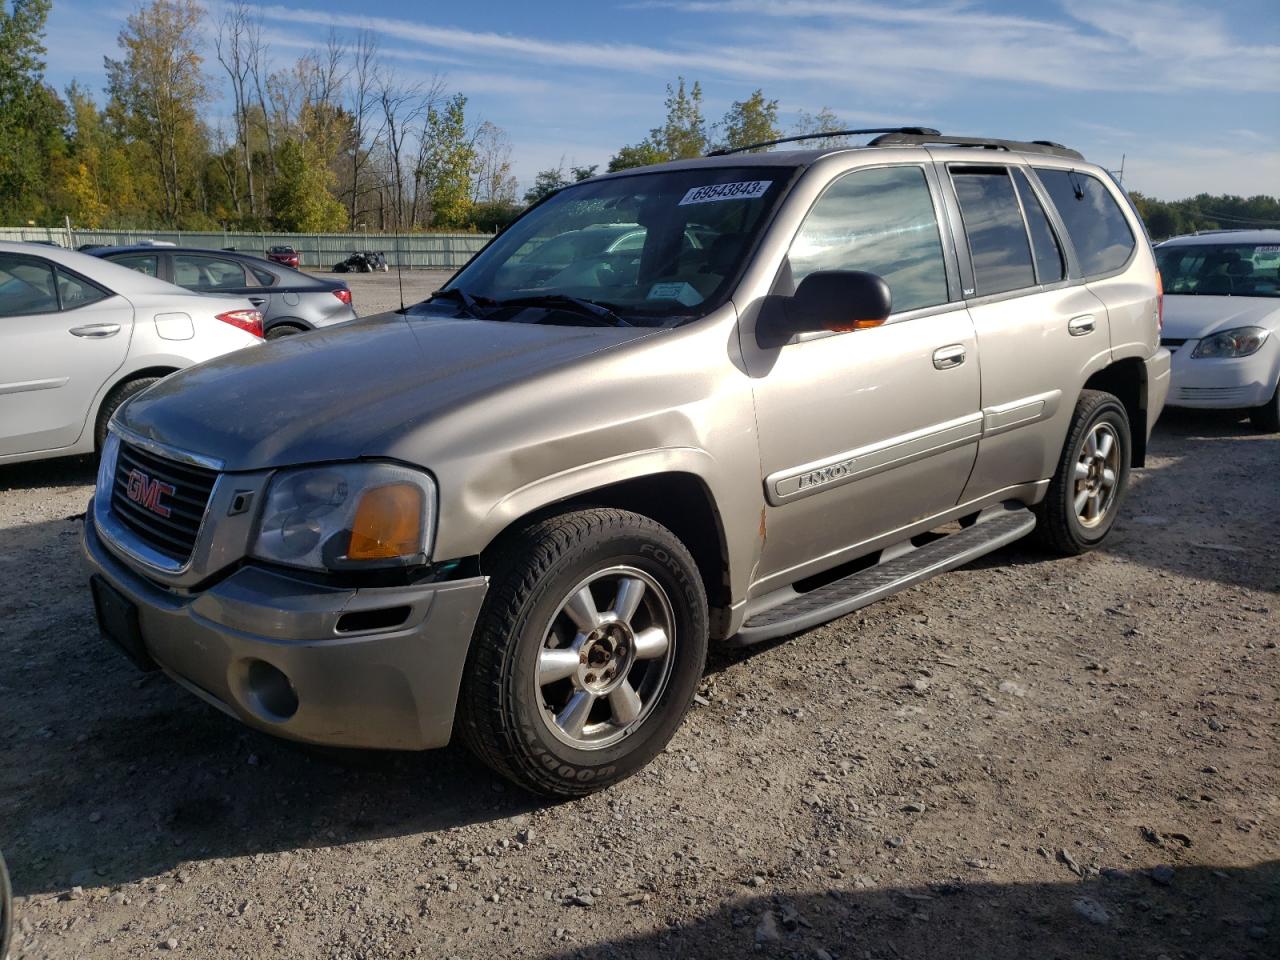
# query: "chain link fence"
317,251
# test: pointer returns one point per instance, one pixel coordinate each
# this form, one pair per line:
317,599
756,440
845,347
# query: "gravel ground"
375,292
1025,758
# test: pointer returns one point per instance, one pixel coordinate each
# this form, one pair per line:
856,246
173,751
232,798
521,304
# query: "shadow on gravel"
1201,912
108,775
61,472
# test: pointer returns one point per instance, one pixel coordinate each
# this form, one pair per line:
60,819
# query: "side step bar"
800,611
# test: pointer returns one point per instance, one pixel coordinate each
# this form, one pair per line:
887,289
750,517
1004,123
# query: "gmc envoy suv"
519,511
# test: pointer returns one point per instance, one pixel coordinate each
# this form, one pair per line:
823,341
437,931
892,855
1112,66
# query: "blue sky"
1186,92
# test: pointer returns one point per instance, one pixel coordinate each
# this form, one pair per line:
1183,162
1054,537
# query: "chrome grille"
173,535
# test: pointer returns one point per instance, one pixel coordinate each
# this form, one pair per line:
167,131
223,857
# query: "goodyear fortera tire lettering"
504,716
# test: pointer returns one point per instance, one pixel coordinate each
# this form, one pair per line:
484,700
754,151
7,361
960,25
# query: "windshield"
1221,269
653,248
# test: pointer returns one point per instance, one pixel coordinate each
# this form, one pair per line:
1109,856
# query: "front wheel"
587,653
1093,473
1267,417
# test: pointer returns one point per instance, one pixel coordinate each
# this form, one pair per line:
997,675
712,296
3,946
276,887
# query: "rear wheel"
587,653
283,330
116,399
1093,473
1267,416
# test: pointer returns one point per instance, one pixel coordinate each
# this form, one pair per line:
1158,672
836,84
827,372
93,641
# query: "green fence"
317,250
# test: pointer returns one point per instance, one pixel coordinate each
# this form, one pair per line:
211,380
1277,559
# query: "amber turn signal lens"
852,325
388,523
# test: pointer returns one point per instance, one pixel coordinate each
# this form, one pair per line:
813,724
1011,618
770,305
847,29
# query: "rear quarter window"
1097,227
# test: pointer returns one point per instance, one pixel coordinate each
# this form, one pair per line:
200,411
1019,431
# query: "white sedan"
1222,321
79,336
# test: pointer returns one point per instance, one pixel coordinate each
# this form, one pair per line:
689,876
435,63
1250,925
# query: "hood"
350,390
1190,317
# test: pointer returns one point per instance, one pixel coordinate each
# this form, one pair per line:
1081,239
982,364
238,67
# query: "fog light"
267,691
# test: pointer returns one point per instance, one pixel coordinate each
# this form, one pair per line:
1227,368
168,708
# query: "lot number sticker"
744,190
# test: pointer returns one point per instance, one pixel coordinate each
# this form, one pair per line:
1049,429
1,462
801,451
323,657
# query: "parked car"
80,336
291,301
1222,321
520,513
284,254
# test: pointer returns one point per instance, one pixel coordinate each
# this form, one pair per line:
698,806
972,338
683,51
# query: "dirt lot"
375,292
1029,758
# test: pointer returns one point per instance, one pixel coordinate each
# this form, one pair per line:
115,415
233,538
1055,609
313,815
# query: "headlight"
1240,342
348,516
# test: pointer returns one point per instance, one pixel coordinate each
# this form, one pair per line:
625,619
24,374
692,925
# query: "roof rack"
927,137
927,132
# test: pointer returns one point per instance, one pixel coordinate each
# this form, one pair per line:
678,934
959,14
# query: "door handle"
1079,326
946,357
96,331
257,301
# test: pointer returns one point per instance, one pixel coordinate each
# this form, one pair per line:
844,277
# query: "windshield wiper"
580,305
469,303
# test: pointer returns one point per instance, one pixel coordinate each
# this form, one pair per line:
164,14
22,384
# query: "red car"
285,254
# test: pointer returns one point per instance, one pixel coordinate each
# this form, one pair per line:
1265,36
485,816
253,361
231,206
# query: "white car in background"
79,336
1222,321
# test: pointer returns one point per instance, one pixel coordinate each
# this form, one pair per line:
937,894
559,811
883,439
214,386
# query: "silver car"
521,511
80,336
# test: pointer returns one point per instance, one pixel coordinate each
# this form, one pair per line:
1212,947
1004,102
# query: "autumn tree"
158,91
300,195
753,120
825,122
31,115
445,160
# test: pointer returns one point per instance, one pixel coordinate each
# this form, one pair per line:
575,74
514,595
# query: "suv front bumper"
265,648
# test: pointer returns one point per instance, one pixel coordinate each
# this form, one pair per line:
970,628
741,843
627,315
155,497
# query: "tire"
1267,417
283,330
1061,525
115,400
537,734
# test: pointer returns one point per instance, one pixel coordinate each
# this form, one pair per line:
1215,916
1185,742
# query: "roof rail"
924,138
905,131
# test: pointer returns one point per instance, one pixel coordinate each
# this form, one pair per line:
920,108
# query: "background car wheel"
1093,473
283,330
587,653
1267,416
115,400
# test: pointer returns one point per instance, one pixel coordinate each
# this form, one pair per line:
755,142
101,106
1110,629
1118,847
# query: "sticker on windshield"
744,190
678,291
1267,248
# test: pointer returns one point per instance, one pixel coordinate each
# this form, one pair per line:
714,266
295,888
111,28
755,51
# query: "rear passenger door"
206,274
1040,331
1104,247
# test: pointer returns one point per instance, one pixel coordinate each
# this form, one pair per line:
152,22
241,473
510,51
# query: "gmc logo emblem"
146,491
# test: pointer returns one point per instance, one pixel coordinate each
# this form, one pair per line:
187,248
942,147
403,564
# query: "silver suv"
519,511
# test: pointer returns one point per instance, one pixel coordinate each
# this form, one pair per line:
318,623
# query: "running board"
796,611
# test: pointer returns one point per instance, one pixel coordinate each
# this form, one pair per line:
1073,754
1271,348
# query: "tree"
583,173
158,91
641,154
824,121
492,180
545,183
681,137
300,197
445,162
31,115
753,120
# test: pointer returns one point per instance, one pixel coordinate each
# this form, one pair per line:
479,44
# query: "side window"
1044,244
26,287
266,278
881,221
206,273
1097,228
75,292
147,263
997,236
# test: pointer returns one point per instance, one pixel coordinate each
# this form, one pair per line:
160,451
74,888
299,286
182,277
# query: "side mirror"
835,300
